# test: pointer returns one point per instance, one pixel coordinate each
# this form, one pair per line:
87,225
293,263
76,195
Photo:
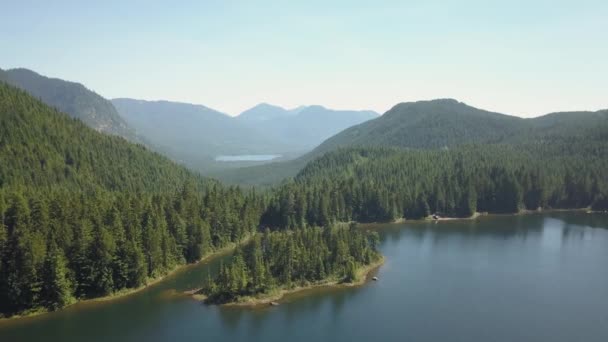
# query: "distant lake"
247,157
528,278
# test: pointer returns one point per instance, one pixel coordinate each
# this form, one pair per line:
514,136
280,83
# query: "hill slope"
84,214
449,123
194,134
428,124
71,98
384,184
436,124
41,146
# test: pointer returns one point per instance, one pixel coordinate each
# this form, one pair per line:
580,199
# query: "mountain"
71,98
449,123
194,134
41,146
443,123
265,112
85,214
303,127
428,124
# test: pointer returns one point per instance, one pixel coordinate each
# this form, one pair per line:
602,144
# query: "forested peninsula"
279,262
85,215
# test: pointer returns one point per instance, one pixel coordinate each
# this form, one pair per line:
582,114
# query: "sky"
524,58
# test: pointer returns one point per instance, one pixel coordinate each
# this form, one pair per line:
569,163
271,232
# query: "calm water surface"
247,157
524,278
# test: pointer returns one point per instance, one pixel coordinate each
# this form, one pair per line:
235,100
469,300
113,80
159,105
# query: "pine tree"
56,288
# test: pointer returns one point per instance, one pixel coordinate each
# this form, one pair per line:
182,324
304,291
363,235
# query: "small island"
281,262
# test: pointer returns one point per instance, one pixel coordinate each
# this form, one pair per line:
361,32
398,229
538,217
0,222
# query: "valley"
286,171
108,202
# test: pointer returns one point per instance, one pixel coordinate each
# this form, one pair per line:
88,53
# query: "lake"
541,277
247,157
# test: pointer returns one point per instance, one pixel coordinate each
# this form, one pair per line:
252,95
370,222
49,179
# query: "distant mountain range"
304,127
71,98
191,134
265,112
443,123
195,134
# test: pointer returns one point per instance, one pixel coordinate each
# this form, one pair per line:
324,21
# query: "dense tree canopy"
71,98
84,215
283,259
383,184
443,123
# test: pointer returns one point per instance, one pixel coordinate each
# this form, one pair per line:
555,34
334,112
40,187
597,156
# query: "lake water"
247,157
506,278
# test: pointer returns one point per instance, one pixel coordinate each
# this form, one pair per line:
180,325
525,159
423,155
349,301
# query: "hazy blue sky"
521,57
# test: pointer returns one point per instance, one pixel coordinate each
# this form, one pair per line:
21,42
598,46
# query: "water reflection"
500,278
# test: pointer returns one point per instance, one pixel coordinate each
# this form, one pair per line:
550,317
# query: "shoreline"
278,294
478,214
128,292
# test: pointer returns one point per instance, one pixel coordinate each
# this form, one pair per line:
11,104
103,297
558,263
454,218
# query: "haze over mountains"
304,127
191,134
443,123
196,135
71,98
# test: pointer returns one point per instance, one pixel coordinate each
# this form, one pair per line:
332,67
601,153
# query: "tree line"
59,246
84,215
283,259
383,184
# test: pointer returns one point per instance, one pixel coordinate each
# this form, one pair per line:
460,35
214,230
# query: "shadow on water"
527,277
498,226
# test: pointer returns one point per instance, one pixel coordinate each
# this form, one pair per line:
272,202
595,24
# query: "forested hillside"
71,98
84,215
428,124
437,124
383,184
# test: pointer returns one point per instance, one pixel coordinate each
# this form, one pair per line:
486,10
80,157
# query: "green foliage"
71,98
292,258
438,124
84,215
447,123
383,184
56,287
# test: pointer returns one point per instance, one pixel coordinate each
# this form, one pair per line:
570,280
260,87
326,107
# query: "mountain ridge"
72,98
433,124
